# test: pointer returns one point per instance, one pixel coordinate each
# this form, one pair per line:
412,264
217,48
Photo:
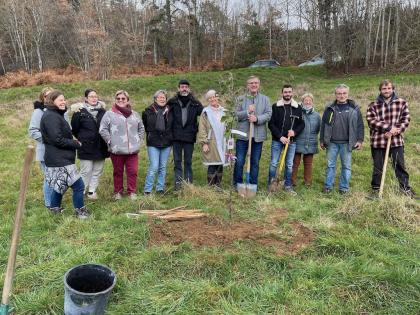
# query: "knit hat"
183,81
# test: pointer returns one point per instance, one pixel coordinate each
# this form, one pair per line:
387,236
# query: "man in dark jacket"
285,124
341,132
388,118
185,109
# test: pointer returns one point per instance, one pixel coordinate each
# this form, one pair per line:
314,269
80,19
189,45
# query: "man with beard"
341,132
388,118
285,124
185,109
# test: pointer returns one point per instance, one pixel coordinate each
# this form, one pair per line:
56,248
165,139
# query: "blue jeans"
46,188
333,150
78,188
241,149
276,150
157,164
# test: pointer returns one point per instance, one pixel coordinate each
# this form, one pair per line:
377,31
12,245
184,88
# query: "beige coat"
206,135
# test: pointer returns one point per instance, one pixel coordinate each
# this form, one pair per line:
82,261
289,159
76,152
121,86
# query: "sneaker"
132,196
81,213
160,192
92,195
117,196
343,192
147,193
290,191
56,210
326,190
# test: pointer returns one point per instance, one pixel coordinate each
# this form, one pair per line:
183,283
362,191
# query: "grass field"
364,258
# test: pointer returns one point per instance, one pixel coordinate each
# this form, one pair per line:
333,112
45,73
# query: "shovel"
248,190
381,187
8,279
275,182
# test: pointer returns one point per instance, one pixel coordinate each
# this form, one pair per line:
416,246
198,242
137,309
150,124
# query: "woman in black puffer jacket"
60,155
85,127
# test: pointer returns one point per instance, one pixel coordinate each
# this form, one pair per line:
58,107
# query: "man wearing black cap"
186,110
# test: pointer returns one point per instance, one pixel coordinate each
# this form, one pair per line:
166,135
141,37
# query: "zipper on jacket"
128,139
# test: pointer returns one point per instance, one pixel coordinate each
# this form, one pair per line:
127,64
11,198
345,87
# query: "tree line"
100,35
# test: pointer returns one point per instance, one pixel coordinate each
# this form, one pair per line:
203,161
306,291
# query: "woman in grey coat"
35,133
307,141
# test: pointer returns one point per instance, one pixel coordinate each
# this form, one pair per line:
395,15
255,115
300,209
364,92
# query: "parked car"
319,60
266,63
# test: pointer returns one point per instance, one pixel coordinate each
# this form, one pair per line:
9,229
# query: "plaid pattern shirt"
381,117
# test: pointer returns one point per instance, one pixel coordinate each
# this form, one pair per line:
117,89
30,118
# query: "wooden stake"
8,279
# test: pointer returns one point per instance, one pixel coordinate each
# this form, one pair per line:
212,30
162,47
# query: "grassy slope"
365,257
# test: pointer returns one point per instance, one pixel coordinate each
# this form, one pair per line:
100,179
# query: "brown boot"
296,162
307,169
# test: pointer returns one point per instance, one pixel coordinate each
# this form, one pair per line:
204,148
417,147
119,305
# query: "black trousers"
397,158
187,148
214,175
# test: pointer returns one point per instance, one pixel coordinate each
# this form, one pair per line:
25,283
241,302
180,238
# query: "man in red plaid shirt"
388,117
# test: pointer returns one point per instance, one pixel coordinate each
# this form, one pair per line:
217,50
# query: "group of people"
179,122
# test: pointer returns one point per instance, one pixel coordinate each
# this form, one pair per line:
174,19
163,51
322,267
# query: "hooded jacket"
60,147
307,140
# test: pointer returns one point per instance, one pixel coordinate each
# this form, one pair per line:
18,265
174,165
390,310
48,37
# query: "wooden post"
8,279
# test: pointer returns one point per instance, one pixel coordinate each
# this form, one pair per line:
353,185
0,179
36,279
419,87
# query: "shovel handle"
248,154
381,187
8,279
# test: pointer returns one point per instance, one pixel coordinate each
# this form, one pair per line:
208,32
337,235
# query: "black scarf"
160,117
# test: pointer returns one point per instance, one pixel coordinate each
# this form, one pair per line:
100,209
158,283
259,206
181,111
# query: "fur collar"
293,103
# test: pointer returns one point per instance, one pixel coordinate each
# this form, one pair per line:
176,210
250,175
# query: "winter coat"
34,130
85,128
263,112
207,135
307,140
356,129
281,120
60,147
155,138
381,117
123,135
187,133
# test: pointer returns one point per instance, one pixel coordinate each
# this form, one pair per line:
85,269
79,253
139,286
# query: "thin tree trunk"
382,37
387,38
397,31
377,36
368,36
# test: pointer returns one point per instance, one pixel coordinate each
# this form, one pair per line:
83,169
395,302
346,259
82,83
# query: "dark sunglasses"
121,99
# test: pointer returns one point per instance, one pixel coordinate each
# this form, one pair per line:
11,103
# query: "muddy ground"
283,238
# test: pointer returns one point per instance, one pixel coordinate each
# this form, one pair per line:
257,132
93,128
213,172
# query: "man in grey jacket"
251,108
341,131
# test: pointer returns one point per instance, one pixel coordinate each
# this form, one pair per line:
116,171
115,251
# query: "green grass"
365,258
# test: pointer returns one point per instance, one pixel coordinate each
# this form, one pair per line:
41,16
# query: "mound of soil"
284,240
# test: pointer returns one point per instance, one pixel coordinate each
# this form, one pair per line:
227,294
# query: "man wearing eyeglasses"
251,108
341,132
186,109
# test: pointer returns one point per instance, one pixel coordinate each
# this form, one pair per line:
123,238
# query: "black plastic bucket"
87,288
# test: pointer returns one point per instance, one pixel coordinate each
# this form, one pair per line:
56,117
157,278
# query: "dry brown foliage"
75,74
